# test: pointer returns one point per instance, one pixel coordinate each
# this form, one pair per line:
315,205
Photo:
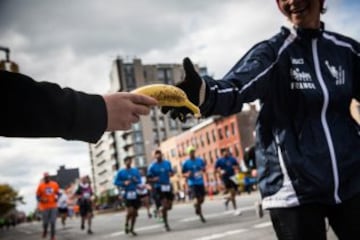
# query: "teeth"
168,95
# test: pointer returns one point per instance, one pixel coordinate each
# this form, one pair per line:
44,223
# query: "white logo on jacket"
303,80
297,61
337,73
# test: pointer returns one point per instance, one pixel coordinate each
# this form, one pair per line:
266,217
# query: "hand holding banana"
181,99
169,96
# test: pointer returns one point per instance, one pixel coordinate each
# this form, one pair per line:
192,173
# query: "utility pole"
7,64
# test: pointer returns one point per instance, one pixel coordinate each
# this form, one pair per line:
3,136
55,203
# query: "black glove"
191,86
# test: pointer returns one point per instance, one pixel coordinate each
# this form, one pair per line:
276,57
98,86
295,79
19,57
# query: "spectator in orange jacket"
46,194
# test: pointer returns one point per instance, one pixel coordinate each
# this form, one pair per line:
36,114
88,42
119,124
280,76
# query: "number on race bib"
165,188
131,195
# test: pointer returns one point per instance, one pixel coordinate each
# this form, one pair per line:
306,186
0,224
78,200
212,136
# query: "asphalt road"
221,224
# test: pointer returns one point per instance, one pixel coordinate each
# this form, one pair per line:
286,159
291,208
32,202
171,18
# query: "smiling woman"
307,146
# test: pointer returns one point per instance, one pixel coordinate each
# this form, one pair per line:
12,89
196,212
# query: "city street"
220,224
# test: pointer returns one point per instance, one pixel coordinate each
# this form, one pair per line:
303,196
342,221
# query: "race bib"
198,174
131,195
165,188
142,191
86,195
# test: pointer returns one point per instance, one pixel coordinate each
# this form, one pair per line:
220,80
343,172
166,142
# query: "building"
209,137
140,141
66,176
103,164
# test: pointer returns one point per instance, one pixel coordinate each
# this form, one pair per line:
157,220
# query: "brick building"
209,137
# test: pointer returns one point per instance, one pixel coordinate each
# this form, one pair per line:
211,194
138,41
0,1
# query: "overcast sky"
73,44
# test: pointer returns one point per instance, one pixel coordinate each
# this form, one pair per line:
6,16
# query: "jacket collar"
305,33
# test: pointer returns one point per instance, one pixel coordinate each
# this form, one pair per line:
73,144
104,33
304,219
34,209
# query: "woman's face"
302,13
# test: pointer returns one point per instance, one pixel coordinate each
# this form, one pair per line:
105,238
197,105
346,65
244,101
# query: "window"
141,161
211,158
208,138
129,76
139,149
227,133
233,128
101,162
172,124
161,123
102,172
138,137
201,141
220,134
236,150
173,152
165,75
136,127
213,135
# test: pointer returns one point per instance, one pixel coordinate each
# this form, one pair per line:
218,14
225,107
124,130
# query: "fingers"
142,99
188,66
140,109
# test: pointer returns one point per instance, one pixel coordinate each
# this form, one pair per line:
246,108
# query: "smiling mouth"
298,10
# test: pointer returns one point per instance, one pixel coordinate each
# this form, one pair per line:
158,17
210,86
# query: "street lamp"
6,64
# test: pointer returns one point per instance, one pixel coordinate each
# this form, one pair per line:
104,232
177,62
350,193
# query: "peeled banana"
168,95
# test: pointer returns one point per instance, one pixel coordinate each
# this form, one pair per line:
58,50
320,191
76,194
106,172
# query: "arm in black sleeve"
43,109
247,81
356,70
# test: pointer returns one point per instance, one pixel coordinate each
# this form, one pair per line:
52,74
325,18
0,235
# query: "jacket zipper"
324,121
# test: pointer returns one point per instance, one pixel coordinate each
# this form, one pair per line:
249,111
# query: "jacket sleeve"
356,74
247,81
43,109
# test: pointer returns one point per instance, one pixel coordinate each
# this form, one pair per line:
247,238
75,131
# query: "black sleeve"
43,109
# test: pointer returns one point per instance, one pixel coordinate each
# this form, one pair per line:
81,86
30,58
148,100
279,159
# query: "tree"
8,198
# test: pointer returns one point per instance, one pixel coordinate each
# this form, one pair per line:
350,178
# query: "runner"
144,193
226,166
46,194
84,193
63,206
250,162
128,179
193,169
159,173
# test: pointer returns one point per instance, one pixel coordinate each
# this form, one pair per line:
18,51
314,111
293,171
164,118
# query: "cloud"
73,44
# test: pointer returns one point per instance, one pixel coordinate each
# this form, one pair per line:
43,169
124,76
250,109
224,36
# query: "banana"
168,95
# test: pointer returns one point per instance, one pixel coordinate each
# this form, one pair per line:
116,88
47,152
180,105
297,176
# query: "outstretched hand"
124,109
191,86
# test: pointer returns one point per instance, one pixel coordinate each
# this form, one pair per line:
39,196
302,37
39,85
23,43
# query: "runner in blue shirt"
128,178
226,167
159,173
193,169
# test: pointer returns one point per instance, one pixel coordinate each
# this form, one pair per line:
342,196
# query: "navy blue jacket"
308,144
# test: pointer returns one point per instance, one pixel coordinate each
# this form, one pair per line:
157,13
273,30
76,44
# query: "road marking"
215,215
221,235
263,225
116,234
24,231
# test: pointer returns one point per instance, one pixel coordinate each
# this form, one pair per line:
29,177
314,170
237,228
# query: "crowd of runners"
139,187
